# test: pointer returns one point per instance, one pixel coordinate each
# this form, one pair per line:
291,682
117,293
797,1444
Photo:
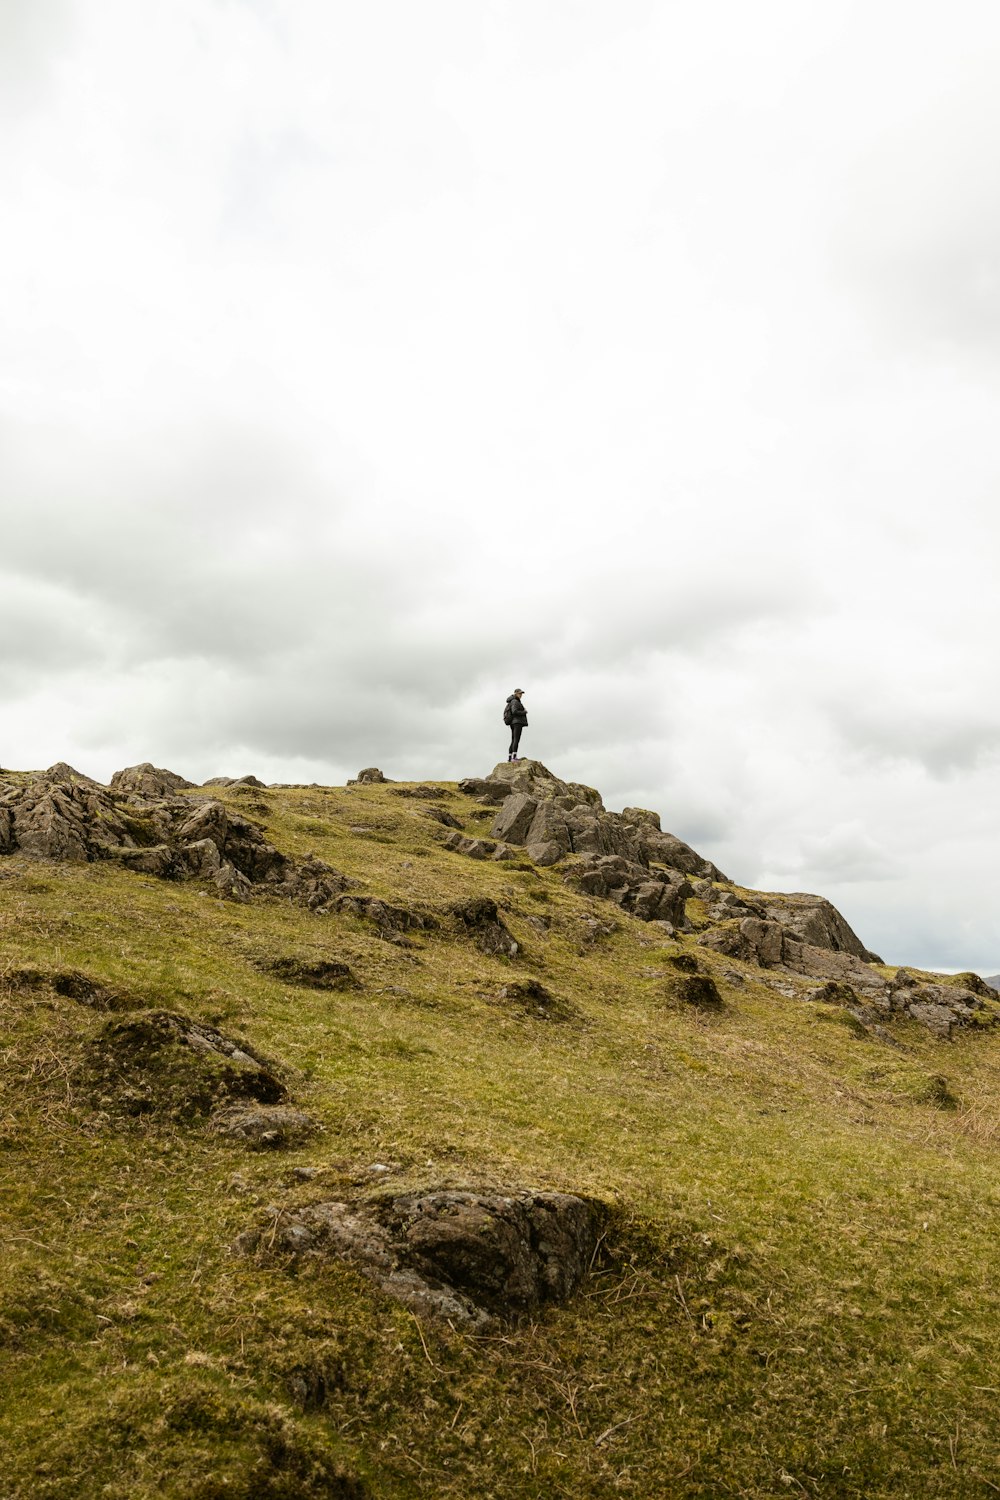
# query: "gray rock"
159,860
472,848
484,789
514,818
631,886
386,917
202,858
834,992
666,849
371,775
206,820
765,941
547,853
446,819
641,817
473,1258
49,823
148,780
68,774
815,921
136,824
548,826
940,1019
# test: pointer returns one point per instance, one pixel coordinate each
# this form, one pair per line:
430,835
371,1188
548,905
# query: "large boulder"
147,780
473,1258
515,817
539,782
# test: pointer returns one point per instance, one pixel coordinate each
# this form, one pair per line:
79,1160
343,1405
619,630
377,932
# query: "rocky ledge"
143,821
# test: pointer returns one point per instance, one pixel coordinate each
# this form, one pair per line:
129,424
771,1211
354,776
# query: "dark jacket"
518,712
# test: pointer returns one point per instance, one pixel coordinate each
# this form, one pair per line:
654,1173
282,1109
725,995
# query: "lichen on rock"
468,1256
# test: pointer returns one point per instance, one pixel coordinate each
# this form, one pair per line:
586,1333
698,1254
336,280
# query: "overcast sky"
362,362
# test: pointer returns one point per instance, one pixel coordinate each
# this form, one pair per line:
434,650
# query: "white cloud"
360,362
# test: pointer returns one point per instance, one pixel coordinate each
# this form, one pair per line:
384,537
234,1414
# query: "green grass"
796,1294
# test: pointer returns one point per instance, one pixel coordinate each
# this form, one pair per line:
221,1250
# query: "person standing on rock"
516,715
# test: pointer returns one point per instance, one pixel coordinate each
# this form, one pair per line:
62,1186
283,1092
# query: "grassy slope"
798,1296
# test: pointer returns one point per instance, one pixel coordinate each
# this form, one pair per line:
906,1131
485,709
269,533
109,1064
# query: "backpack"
508,714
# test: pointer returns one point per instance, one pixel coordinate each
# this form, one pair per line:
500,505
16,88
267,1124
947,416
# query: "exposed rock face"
553,818
661,848
148,781
942,1008
466,1256
484,789
475,848
370,775
652,897
438,814
814,920
869,996
773,930
141,822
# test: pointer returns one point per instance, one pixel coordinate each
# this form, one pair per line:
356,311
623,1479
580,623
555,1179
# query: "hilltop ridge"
413,1139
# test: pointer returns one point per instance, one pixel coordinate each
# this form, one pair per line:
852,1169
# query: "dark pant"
515,737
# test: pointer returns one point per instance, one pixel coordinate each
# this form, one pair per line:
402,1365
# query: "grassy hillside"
794,1294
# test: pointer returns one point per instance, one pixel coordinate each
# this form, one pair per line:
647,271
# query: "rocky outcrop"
392,921
651,896
553,819
814,920
438,815
484,788
942,1008
160,1061
370,776
778,930
148,781
657,847
458,843
472,1258
141,822
481,921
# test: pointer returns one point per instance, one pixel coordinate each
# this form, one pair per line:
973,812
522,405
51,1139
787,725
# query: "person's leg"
515,739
